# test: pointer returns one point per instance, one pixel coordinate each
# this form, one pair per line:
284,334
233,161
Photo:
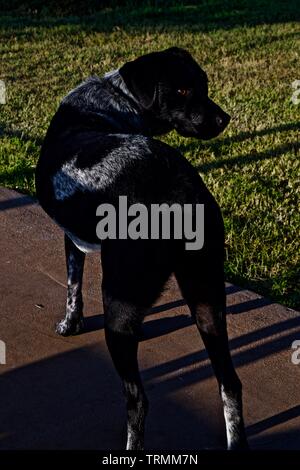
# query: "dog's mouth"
205,130
199,133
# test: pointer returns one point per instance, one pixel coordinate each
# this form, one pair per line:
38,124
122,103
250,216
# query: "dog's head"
172,88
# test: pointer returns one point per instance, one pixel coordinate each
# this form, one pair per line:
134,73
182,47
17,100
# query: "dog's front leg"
73,321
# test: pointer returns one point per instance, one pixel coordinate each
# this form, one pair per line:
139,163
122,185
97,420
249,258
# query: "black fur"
99,146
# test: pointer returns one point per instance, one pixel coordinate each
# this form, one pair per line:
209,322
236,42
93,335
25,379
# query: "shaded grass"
159,14
253,169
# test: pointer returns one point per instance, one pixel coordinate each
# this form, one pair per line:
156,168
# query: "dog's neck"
109,98
122,96
122,104
143,121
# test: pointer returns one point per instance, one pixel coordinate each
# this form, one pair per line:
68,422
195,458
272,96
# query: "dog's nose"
223,120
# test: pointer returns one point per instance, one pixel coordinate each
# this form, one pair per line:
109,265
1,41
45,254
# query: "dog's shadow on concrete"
74,401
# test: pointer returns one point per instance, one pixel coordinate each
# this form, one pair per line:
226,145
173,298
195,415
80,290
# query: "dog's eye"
183,91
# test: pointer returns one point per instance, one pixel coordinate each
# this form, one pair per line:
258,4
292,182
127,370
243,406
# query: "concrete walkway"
63,393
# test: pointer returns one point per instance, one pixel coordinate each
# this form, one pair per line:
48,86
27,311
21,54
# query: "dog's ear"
141,78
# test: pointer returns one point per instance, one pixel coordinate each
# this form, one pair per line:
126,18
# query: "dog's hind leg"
122,336
133,277
205,295
73,321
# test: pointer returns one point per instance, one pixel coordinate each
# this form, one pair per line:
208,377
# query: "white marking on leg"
130,438
62,327
231,418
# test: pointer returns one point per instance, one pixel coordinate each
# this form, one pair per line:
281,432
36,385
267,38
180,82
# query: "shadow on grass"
172,15
23,136
21,175
215,144
249,158
18,178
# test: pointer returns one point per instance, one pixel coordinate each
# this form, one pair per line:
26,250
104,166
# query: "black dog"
99,146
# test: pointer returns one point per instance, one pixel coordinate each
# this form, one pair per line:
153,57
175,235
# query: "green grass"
251,52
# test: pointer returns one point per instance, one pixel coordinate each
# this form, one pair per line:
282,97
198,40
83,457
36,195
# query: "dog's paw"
69,327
